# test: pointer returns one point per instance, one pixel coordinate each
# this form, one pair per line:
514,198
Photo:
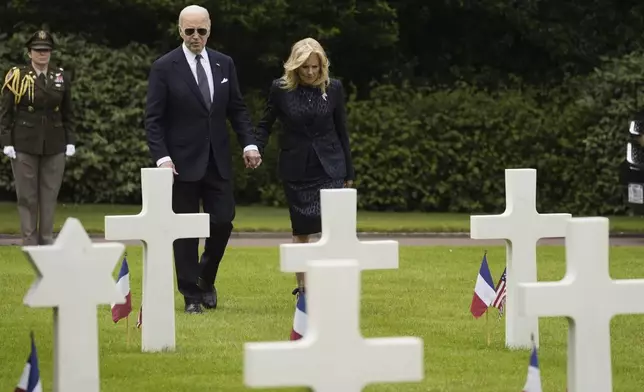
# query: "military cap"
41,40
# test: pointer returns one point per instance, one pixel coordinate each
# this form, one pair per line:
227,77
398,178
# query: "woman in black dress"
314,146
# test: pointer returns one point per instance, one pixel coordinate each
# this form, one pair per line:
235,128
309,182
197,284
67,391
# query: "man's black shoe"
209,299
193,308
209,295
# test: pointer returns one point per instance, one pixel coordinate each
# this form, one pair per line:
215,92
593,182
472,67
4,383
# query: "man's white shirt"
205,61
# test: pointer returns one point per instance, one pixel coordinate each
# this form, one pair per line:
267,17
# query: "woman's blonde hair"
300,52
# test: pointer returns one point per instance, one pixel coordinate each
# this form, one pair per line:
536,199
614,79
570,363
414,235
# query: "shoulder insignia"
14,71
18,87
11,80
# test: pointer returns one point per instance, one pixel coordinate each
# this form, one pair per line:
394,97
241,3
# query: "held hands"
10,152
252,159
348,183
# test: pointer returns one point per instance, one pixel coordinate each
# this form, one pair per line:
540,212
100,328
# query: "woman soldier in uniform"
36,132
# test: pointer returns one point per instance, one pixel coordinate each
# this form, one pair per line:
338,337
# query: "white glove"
10,152
71,150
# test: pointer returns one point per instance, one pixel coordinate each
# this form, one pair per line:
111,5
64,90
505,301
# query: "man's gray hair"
192,10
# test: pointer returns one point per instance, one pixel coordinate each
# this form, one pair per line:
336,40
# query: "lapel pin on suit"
224,80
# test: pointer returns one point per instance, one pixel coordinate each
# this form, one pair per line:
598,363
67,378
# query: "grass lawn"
270,219
428,297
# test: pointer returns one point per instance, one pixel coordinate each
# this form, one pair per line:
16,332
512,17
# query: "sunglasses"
191,31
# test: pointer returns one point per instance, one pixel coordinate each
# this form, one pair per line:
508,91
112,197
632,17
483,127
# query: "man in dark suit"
192,91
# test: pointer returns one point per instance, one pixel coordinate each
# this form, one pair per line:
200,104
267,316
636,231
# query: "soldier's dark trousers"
38,179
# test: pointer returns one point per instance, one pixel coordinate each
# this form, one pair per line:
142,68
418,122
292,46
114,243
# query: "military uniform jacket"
36,114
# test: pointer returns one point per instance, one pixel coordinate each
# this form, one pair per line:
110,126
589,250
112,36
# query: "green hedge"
447,149
440,149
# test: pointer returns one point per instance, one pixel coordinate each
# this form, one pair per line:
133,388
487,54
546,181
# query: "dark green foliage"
414,148
502,93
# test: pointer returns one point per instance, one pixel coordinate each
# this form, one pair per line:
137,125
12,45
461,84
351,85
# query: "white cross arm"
552,225
546,299
505,226
408,369
298,364
371,255
126,227
623,291
261,370
485,227
131,227
557,298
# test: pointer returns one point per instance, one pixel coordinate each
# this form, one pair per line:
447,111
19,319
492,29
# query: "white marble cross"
339,239
590,299
333,356
158,227
74,277
522,227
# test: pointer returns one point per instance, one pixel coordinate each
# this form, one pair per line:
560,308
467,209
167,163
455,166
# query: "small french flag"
120,311
484,292
299,319
30,378
533,381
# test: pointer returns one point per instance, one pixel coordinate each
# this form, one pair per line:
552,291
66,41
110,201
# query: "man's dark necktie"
202,81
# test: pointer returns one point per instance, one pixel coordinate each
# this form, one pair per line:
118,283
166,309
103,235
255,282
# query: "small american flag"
499,301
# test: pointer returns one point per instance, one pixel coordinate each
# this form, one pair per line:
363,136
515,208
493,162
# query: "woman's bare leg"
299,276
